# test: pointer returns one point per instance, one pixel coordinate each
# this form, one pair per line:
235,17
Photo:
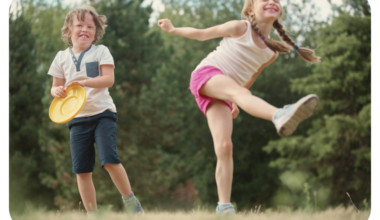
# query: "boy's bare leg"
119,178
87,191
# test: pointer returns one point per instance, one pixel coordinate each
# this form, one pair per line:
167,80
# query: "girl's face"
83,32
266,9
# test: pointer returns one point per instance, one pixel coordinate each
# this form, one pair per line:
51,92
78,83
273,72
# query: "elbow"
202,38
110,81
110,84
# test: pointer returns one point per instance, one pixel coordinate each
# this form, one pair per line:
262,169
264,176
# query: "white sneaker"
133,206
286,119
225,209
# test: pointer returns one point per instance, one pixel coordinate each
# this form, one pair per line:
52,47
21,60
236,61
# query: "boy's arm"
105,81
57,89
229,29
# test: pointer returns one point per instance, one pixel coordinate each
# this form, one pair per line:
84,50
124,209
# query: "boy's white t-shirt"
86,65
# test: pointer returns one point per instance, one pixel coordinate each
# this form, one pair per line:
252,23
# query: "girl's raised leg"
219,120
285,119
224,88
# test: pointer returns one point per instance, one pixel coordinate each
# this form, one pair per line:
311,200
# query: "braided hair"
281,47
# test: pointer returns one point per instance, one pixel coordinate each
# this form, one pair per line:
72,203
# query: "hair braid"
282,33
306,54
272,44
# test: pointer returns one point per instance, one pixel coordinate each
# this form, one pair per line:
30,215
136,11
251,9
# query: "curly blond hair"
79,12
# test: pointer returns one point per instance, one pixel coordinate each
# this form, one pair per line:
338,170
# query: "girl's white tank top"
238,58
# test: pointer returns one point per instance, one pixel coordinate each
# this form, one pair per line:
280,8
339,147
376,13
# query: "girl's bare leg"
224,88
219,120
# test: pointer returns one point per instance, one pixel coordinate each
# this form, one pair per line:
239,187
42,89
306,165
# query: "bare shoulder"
237,27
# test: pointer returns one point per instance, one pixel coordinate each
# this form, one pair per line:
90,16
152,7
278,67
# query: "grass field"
331,214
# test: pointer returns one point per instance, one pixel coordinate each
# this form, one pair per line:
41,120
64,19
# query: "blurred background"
163,139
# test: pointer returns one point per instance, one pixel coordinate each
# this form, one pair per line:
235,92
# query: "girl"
221,81
92,67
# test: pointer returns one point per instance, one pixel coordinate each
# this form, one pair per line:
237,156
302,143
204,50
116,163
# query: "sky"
323,5
157,6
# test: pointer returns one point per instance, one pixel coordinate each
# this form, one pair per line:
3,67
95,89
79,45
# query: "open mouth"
271,9
83,36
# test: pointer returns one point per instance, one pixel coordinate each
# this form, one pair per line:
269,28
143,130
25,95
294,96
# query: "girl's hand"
80,83
58,92
235,111
166,25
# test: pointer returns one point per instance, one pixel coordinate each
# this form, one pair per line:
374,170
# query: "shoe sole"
303,109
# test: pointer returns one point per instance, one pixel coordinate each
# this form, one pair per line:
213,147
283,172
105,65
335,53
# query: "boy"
91,67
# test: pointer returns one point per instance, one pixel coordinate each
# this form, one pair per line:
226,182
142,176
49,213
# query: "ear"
250,11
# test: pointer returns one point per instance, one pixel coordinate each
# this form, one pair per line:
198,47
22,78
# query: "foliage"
335,154
25,113
163,139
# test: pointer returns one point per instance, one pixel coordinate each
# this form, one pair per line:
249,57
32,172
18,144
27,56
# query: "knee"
224,149
109,166
242,91
84,175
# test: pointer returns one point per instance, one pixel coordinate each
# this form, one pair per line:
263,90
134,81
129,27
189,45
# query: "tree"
335,155
25,114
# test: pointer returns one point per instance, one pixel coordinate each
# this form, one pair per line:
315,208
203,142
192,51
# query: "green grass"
330,214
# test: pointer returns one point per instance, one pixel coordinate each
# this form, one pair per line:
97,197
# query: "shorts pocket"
92,69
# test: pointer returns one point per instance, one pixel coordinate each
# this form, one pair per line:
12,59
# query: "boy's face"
83,32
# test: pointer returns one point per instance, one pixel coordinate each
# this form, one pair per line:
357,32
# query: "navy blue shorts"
84,132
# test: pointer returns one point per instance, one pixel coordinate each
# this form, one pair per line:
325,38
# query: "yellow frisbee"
63,110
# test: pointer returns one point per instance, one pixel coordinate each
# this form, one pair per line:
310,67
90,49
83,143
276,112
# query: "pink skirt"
198,79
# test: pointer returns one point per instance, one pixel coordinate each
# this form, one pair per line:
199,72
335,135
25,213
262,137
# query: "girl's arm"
255,75
228,29
105,81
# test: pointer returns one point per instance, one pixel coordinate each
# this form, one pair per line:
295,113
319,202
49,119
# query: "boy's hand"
58,92
80,83
166,25
235,111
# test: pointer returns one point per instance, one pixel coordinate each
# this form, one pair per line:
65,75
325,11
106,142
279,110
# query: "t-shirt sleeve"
106,57
55,68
